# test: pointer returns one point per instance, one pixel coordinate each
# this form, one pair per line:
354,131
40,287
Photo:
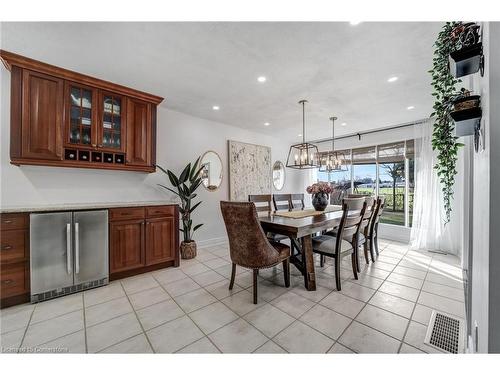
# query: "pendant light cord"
303,121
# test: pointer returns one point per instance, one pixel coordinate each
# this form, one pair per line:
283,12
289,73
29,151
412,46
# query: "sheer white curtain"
428,229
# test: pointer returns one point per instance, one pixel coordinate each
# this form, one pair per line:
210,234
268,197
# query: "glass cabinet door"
111,122
80,112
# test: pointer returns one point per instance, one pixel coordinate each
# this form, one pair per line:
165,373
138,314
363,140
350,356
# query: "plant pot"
188,250
467,60
467,121
466,102
320,201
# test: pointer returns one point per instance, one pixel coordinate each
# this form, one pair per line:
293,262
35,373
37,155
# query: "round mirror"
278,175
211,173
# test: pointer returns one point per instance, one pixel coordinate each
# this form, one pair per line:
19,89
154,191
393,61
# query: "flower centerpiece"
320,192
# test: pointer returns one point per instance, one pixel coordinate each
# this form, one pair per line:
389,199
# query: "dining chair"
263,204
282,202
340,244
248,245
365,223
297,201
371,236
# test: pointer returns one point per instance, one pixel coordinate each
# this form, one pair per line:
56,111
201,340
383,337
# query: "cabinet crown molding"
10,59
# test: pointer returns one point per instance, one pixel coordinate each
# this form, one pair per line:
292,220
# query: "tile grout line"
366,303
186,314
26,329
413,311
138,320
84,324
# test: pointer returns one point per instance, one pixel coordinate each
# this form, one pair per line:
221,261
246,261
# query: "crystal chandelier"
332,161
303,155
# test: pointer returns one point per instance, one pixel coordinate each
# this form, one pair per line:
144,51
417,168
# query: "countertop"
81,206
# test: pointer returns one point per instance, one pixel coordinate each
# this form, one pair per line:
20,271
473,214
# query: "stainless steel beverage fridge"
69,252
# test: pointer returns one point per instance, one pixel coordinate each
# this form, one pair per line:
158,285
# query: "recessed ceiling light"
262,79
410,107
267,124
344,124
299,135
392,79
215,107
354,23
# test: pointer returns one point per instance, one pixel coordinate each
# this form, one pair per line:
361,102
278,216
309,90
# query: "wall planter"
467,121
467,60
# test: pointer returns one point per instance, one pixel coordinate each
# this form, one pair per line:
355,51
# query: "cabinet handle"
68,248
77,248
99,145
7,221
7,282
6,247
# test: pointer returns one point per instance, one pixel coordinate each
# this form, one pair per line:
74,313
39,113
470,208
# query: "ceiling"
340,68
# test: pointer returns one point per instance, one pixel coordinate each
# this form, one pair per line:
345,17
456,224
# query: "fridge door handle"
77,248
68,248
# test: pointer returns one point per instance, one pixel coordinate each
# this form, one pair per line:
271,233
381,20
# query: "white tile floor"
190,310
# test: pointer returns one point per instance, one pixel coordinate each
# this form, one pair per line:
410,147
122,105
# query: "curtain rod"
359,134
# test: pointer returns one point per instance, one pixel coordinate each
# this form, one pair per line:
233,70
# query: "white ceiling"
341,69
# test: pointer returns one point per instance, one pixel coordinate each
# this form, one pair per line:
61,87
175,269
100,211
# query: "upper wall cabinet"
66,119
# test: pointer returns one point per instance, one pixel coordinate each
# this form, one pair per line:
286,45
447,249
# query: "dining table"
300,228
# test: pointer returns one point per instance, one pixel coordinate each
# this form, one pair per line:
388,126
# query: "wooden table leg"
308,259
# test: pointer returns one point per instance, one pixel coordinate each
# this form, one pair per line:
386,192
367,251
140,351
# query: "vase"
320,201
188,250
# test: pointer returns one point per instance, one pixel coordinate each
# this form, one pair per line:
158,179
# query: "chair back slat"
282,202
352,216
298,201
262,203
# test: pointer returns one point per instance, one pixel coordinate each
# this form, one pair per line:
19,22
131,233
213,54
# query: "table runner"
307,212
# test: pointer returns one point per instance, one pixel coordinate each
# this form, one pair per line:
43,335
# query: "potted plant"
466,112
466,56
186,184
320,195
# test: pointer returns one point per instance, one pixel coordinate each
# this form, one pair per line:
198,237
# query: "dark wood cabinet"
139,132
126,245
142,239
66,119
42,108
14,259
160,244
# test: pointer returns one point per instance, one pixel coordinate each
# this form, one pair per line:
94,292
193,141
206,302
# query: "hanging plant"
444,140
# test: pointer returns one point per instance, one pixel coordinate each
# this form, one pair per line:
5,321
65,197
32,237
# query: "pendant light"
303,155
332,161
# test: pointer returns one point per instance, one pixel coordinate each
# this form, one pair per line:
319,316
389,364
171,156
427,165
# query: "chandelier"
332,161
303,155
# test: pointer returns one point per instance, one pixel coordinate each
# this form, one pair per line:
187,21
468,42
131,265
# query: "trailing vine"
444,140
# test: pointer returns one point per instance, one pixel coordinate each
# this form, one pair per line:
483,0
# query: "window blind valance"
365,155
391,152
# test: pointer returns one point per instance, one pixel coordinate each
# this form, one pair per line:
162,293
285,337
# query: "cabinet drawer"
157,211
14,279
126,213
13,221
13,245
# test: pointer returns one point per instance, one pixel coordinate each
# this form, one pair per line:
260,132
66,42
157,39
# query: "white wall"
180,139
481,210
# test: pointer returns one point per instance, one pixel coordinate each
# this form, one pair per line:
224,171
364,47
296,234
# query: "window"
364,170
392,182
387,170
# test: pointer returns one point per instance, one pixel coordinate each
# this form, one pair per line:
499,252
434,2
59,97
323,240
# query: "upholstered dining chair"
248,245
282,202
369,237
263,206
340,244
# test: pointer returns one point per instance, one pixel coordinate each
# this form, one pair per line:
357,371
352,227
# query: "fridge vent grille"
68,290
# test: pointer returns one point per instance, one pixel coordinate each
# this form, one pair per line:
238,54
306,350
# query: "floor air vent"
446,333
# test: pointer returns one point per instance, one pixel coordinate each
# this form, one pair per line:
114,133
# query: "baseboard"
211,242
394,232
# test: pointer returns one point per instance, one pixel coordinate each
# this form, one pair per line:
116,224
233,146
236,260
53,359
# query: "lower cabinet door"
126,245
14,279
160,240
